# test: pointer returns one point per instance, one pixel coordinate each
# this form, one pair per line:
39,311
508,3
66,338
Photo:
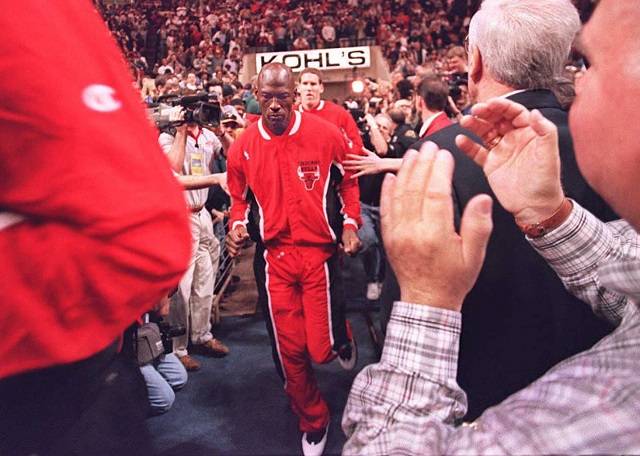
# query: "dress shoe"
212,347
189,363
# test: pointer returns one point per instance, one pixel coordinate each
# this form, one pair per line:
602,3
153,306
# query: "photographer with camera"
459,102
151,347
191,153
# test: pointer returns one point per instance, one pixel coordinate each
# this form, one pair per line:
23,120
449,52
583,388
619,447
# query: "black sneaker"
348,355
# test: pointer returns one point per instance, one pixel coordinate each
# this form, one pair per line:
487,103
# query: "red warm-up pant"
302,296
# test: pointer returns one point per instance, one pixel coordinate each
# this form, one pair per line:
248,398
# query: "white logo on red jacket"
101,98
309,173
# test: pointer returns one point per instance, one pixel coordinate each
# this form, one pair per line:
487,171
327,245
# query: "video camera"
363,126
201,109
168,332
358,116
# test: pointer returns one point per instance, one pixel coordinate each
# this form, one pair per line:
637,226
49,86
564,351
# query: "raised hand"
434,265
521,159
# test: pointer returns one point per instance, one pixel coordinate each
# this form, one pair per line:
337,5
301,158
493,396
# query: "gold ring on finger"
494,142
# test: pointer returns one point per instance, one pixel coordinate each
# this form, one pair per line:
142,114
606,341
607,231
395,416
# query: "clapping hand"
434,265
520,158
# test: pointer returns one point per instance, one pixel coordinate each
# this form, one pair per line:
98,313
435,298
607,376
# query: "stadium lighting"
357,85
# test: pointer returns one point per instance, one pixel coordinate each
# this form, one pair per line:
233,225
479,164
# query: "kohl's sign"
322,59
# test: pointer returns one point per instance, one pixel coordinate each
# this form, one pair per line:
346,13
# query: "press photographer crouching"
151,345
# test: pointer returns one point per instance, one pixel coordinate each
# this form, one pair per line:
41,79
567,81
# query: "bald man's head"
276,86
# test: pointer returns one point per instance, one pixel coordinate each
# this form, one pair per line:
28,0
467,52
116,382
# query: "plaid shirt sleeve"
577,250
413,383
410,403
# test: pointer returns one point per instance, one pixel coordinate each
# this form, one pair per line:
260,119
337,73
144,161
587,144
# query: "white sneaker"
348,355
313,444
373,290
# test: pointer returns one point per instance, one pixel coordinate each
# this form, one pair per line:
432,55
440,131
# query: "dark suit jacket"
518,320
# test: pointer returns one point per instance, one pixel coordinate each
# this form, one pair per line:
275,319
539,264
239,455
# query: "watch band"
535,230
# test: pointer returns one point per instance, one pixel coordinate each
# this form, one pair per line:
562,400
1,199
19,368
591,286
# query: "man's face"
191,79
456,64
384,125
602,117
463,100
310,89
275,97
230,127
172,86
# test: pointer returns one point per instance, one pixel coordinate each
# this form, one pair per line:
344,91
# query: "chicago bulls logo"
309,173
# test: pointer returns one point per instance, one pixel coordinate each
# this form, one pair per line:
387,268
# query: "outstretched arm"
196,182
370,163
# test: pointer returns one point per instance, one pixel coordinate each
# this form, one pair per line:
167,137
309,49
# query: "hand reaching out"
370,163
222,182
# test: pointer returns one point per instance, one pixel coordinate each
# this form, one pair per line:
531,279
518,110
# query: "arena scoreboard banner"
322,59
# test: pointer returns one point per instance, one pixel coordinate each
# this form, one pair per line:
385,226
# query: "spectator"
432,101
165,67
328,35
457,64
300,43
513,334
230,125
380,129
402,135
167,84
596,389
459,100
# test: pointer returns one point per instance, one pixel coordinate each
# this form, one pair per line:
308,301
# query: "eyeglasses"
465,44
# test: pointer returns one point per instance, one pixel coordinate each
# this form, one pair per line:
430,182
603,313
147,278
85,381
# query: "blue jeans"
372,249
163,376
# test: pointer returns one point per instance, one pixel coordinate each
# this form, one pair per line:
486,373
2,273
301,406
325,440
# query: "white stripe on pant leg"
330,320
273,320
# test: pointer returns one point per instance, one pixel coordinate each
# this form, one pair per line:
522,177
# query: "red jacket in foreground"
93,225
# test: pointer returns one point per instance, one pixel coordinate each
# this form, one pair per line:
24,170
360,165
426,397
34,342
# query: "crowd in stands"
211,37
449,243
204,42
